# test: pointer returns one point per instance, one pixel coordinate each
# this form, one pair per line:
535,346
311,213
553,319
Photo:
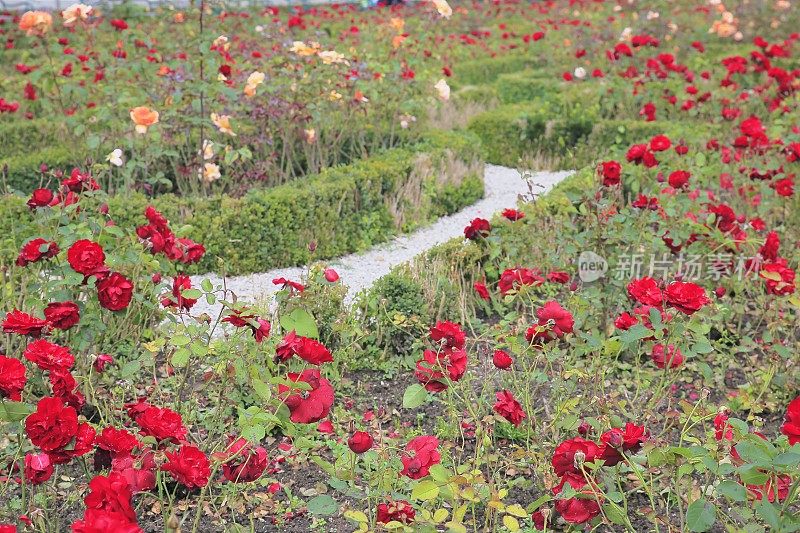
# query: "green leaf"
425,490
206,285
322,505
192,294
181,357
615,514
301,322
732,490
700,515
14,411
414,396
769,514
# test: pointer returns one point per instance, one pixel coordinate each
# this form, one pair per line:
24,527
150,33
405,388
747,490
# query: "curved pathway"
359,271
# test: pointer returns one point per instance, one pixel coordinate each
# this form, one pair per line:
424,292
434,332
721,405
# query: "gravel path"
359,271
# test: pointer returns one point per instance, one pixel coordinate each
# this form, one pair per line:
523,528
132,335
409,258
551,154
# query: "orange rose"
35,22
143,118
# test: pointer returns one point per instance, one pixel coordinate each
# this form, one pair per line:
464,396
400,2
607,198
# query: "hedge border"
342,209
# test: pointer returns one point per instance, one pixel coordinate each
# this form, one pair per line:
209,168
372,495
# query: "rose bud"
312,246
360,442
583,428
502,360
720,292
573,286
156,278
331,275
104,209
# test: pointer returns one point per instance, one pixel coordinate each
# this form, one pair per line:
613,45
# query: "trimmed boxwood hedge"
342,209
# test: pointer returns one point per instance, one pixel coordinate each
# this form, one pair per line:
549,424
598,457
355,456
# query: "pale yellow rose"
330,57
210,172
75,13
443,89
223,123
443,8
253,81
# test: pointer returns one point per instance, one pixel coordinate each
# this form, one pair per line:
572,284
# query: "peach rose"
143,118
76,12
35,22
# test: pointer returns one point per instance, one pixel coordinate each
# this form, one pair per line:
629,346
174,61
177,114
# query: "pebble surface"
358,271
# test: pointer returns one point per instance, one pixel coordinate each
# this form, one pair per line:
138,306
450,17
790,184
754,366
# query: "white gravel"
359,271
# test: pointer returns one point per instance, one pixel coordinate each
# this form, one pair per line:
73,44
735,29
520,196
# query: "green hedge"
483,71
343,209
21,172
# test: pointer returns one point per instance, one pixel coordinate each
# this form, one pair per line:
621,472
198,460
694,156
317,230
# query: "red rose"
100,363
95,521
512,214
514,278
502,360
395,511
791,425
307,349
509,408
262,331
115,292
577,510
611,172
420,455
62,315
188,466
23,324
86,257
40,198
163,424
110,494
659,143
308,406
176,299
558,277
360,442
686,297
646,291
564,455
479,227
118,442
38,468
434,367
481,289
36,250
243,463
771,247
778,277
448,335
554,322
663,357
12,378
49,356
53,425
679,179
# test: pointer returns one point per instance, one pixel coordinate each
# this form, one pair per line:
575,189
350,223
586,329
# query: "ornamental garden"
618,354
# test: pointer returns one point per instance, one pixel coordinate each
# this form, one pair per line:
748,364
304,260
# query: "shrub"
342,209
